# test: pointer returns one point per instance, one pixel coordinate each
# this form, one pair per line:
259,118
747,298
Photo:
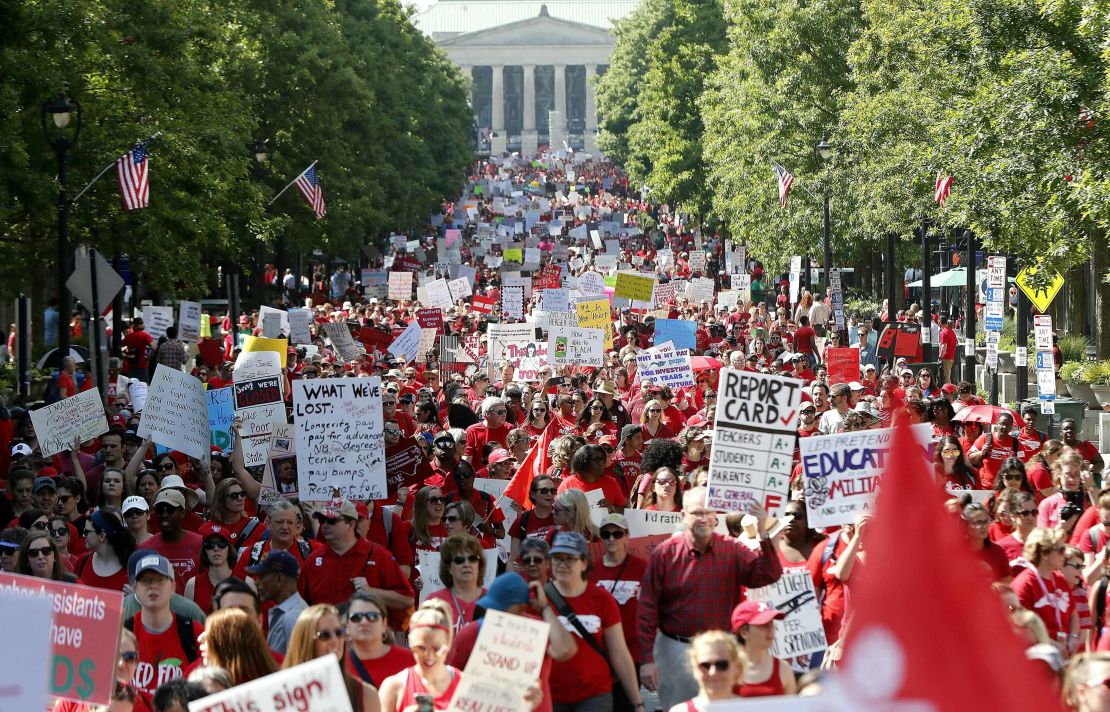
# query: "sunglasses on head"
369,617
468,559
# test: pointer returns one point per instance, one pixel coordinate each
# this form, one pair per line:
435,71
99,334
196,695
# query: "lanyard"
1052,601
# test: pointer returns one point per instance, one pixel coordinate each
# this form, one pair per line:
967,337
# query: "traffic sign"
1040,297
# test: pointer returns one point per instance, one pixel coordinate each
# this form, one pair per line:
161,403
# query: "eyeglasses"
436,500
450,519
129,656
326,635
63,498
1027,513
950,452
369,617
1012,478
215,544
532,560
61,531
544,490
612,534
563,559
979,523
468,559
41,526
41,551
1073,565
237,495
168,467
90,530
715,665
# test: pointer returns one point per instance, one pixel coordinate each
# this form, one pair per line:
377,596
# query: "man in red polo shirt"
348,564
494,429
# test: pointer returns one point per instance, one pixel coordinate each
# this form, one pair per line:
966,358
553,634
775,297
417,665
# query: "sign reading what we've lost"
340,445
753,442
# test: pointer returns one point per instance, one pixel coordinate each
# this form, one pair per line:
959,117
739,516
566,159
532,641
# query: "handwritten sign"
574,345
634,286
318,684
407,342
596,314
343,342
340,444
156,320
254,344
801,631
700,289
176,413
300,321
527,359
188,321
58,425
507,659
459,288
280,315
556,300
842,471
671,369
439,294
681,332
512,301
591,283
842,364
221,414
753,441
400,286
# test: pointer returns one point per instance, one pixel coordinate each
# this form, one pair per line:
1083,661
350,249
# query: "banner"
176,413
679,331
670,369
753,441
842,364
597,314
634,286
340,444
84,634
188,321
77,418
801,632
318,685
842,471
506,660
221,414
574,345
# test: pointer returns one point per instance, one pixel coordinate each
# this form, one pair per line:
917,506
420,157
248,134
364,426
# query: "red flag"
535,463
928,632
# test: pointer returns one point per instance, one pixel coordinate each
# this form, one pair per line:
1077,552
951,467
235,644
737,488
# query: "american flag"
943,188
786,181
309,185
134,181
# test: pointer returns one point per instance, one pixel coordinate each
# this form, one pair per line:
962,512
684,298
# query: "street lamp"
261,153
824,151
61,125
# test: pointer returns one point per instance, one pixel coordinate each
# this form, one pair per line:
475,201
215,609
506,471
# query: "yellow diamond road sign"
1041,297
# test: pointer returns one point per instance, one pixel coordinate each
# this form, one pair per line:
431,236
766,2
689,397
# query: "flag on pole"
534,464
309,185
134,180
786,181
958,630
943,188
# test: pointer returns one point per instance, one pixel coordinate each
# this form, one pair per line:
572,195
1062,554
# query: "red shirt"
1000,449
662,432
66,386
478,435
394,661
138,343
328,575
183,554
630,466
586,674
87,576
530,524
623,584
947,344
1029,444
161,657
1049,598
804,339
820,570
994,558
608,485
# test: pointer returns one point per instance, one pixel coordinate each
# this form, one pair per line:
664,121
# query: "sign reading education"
340,444
58,425
753,441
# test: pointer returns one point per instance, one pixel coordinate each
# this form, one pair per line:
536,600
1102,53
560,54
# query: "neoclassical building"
532,64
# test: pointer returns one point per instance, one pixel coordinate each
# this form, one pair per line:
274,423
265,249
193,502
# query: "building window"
545,101
481,99
514,105
576,104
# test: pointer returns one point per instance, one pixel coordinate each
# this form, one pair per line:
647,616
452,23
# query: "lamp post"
61,125
823,151
261,153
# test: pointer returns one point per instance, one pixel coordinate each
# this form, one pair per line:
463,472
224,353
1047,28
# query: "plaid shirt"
686,591
172,354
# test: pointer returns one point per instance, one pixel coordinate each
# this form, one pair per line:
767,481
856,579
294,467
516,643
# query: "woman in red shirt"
215,565
319,633
753,623
951,466
595,421
1042,588
652,422
110,545
664,493
430,639
718,667
978,521
370,655
428,531
536,522
538,416
695,448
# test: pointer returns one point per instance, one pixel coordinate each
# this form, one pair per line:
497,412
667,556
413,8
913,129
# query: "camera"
1073,507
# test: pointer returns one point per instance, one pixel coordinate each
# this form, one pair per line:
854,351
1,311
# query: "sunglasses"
168,467
436,500
614,534
326,520
468,559
369,617
597,407
326,635
63,498
544,490
164,509
654,410
1014,478
532,560
450,519
61,531
1027,513
41,551
41,526
715,665
130,656
237,495
215,544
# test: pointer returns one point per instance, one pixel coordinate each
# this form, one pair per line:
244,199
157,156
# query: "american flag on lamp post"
134,179
309,185
943,188
786,181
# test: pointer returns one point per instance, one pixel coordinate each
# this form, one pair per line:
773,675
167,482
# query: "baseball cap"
508,589
153,562
499,455
754,613
135,502
214,529
21,450
118,421
904,371
869,367
278,562
571,543
948,388
340,508
856,386
610,440
171,497
613,519
42,483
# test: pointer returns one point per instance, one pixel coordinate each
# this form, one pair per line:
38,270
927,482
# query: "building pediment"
535,31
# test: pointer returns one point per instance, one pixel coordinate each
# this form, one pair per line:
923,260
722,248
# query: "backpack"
184,634
256,550
828,556
1100,607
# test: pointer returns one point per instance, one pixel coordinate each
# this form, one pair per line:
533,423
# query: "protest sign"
299,322
500,334
526,358
254,344
459,289
342,341
842,364
842,471
700,289
407,342
400,286
429,571
727,300
634,286
795,278
221,414
679,331
77,418
256,365
136,393
663,295
176,413
801,632
271,326
507,659
753,441
512,301
24,678
156,320
83,636
340,444
282,317
318,685
279,477
439,294
430,319
188,321
596,314
575,345
258,396
556,300
671,369
742,285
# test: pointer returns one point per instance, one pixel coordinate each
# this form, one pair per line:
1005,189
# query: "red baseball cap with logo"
754,613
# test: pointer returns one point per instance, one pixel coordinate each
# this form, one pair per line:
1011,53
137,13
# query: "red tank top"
202,591
415,686
769,687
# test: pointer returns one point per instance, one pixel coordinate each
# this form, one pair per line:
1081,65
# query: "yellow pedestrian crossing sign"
1040,297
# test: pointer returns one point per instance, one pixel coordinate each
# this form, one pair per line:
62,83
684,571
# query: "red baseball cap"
948,388
213,529
754,613
499,455
118,421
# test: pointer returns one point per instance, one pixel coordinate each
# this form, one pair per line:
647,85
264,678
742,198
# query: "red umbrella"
705,363
987,414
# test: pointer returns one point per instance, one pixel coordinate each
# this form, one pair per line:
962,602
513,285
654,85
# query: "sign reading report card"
82,636
506,661
842,471
634,286
80,417
753,442
339,438
176,413
317,685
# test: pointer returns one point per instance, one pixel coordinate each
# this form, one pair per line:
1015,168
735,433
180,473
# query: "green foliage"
1069,372
1073,347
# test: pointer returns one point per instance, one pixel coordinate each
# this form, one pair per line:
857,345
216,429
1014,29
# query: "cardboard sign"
501,334
753,441
634,286
575,345
24,677
459,288
842,471
156,320
83,635
556,300
596,314
672,369
188,321
342,341
300,321
400,286
340,444
506,660
176,413
512,301
282,317
700,289
439,294
318,685
679,331
254,344
527,359
801,632
279,476
77,418
136,393
221,414
407,342
842,364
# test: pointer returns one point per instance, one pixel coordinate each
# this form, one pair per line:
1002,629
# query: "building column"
497,114
590,137
529,138
558,125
